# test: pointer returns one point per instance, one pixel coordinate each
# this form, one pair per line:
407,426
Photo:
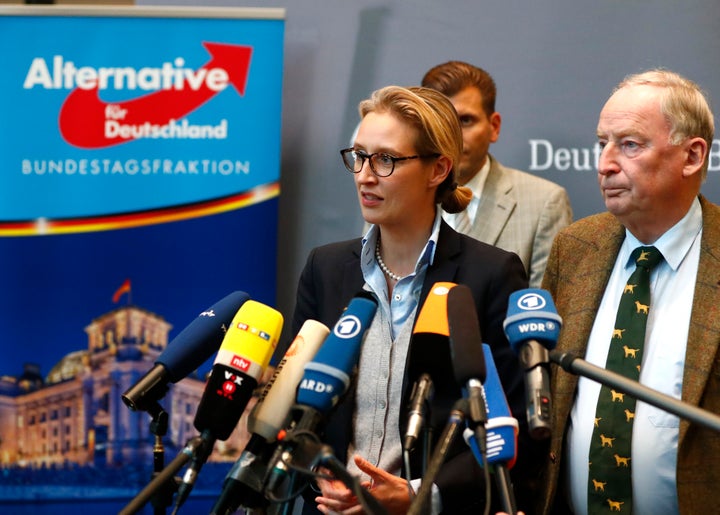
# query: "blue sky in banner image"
52,287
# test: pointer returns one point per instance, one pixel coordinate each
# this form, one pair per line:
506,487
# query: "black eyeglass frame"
369,157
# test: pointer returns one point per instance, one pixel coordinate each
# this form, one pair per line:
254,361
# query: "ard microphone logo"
531,302
316,386
535,302
347,327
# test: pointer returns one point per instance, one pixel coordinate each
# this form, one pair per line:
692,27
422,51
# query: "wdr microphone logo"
531,315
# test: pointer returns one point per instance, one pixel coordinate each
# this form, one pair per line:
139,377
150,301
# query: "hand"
336,497
389,490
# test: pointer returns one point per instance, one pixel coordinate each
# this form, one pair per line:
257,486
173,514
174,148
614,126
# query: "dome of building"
68,367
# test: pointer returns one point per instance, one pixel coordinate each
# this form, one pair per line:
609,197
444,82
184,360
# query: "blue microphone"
186,352
502,433
325,380
532,327
502,427
327,376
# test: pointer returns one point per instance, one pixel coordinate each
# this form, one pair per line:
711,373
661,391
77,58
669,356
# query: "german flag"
124,288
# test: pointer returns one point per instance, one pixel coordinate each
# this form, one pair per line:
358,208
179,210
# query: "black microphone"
185,353
532,327
326,379
243,485
422,392
240,363
457,319
467,356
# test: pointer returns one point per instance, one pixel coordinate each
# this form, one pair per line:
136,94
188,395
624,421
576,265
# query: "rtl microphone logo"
254,330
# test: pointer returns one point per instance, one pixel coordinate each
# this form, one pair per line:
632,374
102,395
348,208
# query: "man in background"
510,209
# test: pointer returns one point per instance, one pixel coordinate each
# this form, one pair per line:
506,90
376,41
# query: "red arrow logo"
83,114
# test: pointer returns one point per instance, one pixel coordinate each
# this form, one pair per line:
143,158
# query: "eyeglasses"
382,164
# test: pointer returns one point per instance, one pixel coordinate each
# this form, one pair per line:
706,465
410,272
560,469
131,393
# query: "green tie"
610,485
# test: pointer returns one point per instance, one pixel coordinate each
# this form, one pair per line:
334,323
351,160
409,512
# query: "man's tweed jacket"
578,269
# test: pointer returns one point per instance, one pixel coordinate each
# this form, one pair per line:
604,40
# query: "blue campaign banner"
139,184
104,115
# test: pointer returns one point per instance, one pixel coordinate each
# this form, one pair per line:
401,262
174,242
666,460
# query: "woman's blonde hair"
438,130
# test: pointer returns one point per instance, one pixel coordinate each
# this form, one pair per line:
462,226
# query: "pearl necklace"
383,266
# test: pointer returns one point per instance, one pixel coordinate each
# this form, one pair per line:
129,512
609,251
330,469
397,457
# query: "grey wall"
554,61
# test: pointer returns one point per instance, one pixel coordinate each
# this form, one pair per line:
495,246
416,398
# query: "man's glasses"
382,164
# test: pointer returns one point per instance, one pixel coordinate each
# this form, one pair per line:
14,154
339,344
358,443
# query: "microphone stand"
427,446
161,499
504,485
577,366
453,427
195,445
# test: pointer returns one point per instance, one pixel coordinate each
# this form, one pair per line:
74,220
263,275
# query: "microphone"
422,392
467,356
430,356
532,327
186,352
325,380
502,433
270,413
455,318
327,376
243,356
244,483
429,353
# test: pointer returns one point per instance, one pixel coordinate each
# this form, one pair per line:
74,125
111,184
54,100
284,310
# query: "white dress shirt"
655,432
476,184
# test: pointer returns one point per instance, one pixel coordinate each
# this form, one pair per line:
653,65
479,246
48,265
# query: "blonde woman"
402,162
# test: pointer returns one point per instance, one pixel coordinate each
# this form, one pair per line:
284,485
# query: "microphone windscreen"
502,427
201,338
430,350
432,318
531,315
270,413
252,336
241,360
465,339
497,403
327,376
